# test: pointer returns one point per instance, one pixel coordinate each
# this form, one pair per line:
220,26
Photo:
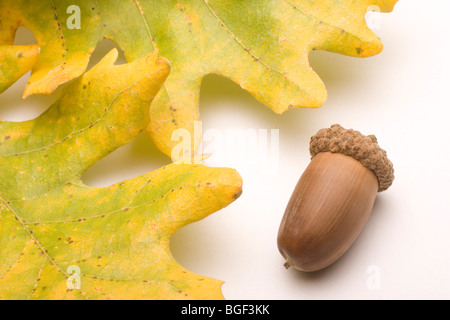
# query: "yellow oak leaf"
62,239
262,45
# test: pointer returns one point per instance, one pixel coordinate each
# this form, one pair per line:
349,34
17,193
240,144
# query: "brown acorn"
333,198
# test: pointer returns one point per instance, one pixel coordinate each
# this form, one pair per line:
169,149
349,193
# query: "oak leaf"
262,45
62,239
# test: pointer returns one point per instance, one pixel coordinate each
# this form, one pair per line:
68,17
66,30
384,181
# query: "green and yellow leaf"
262,45
116,239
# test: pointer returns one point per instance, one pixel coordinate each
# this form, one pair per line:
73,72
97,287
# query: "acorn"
333,198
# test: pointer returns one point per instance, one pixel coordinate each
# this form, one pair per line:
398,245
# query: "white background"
400,95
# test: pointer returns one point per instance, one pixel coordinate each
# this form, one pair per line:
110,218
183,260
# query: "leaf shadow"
103,47
16,109
340,74
24,36
225,105
136,158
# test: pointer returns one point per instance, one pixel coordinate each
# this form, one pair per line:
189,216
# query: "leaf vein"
61,66
70,135
125,208
240,42
30,233
312,17
37,280
14,263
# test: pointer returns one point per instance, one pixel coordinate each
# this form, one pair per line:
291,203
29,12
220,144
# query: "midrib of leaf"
249,51
36,282
241,44
141,12
60,66
32,237
155,46
123,209
73,133
15,261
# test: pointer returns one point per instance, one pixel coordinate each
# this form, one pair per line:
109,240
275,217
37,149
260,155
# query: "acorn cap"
363,148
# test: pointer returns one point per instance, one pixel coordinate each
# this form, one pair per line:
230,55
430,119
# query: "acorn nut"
333,198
